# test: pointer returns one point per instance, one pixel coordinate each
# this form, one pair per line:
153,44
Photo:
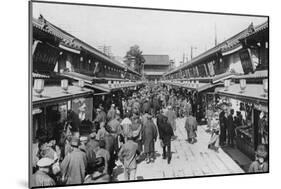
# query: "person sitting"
260,164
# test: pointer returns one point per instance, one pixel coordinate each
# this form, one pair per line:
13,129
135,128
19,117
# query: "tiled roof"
257,29
156,60
226,45
73,42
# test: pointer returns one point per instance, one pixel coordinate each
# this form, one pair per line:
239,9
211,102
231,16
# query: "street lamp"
243,85
226,84
39,86
81,84
64,85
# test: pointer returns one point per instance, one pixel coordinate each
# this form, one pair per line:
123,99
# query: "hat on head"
112,105
74,141
169,107
83,138
45,162
261,151
149,116
93,135
117,112
98,109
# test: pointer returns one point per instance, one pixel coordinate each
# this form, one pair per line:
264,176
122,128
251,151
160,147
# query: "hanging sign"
246,61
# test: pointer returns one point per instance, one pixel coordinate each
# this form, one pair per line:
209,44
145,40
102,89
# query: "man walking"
128,155
111,113
191,128
171,117
41,177
73,166
230,128
149,138
223,122
165,135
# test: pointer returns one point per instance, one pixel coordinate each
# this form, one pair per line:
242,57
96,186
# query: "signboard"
246,61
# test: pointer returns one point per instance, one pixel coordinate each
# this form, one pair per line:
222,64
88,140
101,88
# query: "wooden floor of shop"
188,160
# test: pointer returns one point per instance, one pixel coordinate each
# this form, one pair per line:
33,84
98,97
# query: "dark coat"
149,136
41,179
146,107
73,167
165,131
230,123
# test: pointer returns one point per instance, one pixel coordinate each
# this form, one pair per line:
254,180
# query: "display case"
245,140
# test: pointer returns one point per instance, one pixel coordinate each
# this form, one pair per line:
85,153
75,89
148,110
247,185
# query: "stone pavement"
188,160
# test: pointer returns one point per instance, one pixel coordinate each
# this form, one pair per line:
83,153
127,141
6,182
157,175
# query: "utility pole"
191,51
216,40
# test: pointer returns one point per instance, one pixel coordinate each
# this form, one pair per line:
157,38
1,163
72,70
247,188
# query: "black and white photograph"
124,94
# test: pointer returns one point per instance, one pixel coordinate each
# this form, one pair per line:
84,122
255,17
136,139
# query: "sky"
156,32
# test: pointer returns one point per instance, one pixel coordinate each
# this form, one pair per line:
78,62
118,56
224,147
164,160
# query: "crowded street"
188,160
97,117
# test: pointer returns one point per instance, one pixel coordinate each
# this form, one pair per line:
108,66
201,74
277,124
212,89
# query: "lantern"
226,84
109,84
39,86
242,85
64,85
81,84
197,84
265,86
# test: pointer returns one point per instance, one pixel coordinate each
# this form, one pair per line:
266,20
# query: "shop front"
51,109
250,105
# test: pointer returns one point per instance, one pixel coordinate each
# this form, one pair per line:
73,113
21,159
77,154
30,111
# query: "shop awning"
222,77
253,93
55,94
88,79
200,87
257,75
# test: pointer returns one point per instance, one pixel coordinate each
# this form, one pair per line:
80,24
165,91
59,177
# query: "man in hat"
136,130
149,138
101,132
171,117
74,164
112,147
90,153
223,123
115,128
191,128
101,116
230,128
102,152
165,134
111,113
126,126
128,155
260,164
41,177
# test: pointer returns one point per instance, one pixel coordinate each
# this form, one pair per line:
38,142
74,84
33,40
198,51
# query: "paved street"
187,159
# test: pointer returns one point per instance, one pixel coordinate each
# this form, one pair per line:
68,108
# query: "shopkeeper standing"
75,123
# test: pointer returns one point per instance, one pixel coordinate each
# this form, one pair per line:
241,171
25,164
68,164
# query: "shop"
51,105
250,105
